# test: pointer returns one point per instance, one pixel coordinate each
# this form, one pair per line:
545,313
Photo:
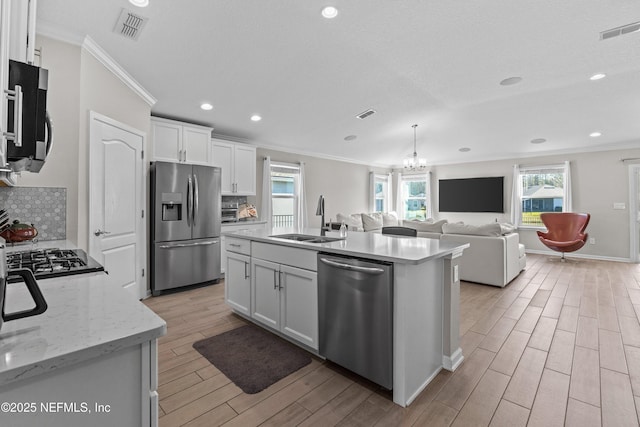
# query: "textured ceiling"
434,63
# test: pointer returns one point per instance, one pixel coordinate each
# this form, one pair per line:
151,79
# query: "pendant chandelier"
415,163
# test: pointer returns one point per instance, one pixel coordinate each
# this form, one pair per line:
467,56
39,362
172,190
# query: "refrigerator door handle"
196,198
187,245
189,200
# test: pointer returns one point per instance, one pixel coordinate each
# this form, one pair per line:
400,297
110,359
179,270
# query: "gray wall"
345,186
63,102
599,179
78,84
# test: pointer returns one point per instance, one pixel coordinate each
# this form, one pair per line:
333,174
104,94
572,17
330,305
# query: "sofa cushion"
372,221
491,229
353,222
390,219
429,226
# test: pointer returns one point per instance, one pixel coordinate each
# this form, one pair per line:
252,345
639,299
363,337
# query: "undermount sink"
309,238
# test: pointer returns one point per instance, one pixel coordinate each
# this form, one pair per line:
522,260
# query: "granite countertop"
398,249
241,223
86,317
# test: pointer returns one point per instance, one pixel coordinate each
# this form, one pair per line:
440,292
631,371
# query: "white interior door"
116,194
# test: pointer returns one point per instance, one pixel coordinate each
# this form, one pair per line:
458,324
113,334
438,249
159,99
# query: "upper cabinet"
238,163
23,30
180,142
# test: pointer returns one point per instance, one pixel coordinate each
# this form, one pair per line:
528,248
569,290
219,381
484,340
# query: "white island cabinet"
89,360
284,286
426,294
180,142
237,290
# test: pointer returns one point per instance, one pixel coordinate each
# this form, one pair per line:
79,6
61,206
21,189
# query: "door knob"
99,232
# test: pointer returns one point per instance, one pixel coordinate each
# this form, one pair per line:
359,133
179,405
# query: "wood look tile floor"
560,345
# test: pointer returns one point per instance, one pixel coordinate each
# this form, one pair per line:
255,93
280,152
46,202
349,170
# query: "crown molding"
103,57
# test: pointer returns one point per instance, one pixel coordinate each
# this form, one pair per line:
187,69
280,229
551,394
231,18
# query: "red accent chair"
565,231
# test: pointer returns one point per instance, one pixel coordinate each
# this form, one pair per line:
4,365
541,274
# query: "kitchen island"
90,359
426,292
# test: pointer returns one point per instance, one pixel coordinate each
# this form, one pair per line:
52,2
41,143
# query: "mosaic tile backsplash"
45,208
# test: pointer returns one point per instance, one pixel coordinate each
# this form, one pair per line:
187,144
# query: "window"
541,189
381,202
414,197
284,201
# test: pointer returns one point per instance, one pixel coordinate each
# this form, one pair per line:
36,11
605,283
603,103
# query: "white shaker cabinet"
180,142
237,280
285,298
238,163
23,30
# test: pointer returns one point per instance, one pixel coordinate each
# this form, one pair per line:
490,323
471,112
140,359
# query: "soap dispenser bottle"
343,229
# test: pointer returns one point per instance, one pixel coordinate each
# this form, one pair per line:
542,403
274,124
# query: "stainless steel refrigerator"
185,225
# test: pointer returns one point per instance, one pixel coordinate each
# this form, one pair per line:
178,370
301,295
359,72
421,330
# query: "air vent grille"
366,114
130,24
619,31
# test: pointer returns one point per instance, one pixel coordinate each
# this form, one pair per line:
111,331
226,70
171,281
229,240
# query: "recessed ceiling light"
256,118
350,137
464,149
598,76
511,81
538,141
139,3
206,106
329,12
595,134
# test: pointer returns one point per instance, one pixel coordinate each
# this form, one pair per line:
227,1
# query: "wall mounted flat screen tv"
471,195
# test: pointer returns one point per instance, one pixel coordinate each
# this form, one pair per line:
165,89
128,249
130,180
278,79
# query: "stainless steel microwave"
30,132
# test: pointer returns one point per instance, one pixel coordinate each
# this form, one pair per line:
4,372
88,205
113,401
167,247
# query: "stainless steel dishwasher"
356,315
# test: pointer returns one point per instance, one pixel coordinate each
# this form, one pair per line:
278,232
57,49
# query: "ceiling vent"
619,31
130,24
366,114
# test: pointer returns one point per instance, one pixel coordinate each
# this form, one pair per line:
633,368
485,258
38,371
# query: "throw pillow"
372,221
507,228
491,229
429,226
353,222
390,219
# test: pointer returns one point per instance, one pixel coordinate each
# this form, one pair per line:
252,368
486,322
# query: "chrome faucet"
320,212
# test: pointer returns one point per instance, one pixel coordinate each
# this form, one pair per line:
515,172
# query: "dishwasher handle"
368,270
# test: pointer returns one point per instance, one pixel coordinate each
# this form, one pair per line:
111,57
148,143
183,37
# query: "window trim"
427,197
544,168
295,170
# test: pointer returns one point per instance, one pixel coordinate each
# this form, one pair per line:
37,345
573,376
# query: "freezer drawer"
355,299
184,263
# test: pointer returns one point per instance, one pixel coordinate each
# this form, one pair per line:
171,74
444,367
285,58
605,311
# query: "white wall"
599,179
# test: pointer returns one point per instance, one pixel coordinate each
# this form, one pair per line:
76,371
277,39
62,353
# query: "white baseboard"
580,256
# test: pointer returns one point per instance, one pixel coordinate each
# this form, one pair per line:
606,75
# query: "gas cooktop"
54,262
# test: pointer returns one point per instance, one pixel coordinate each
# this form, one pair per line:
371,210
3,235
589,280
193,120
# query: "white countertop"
398,249
86,318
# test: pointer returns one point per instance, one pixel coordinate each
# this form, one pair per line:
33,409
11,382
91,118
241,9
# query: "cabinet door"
222,157
196,145
299,305
266,293
167,141
237,282
245,169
